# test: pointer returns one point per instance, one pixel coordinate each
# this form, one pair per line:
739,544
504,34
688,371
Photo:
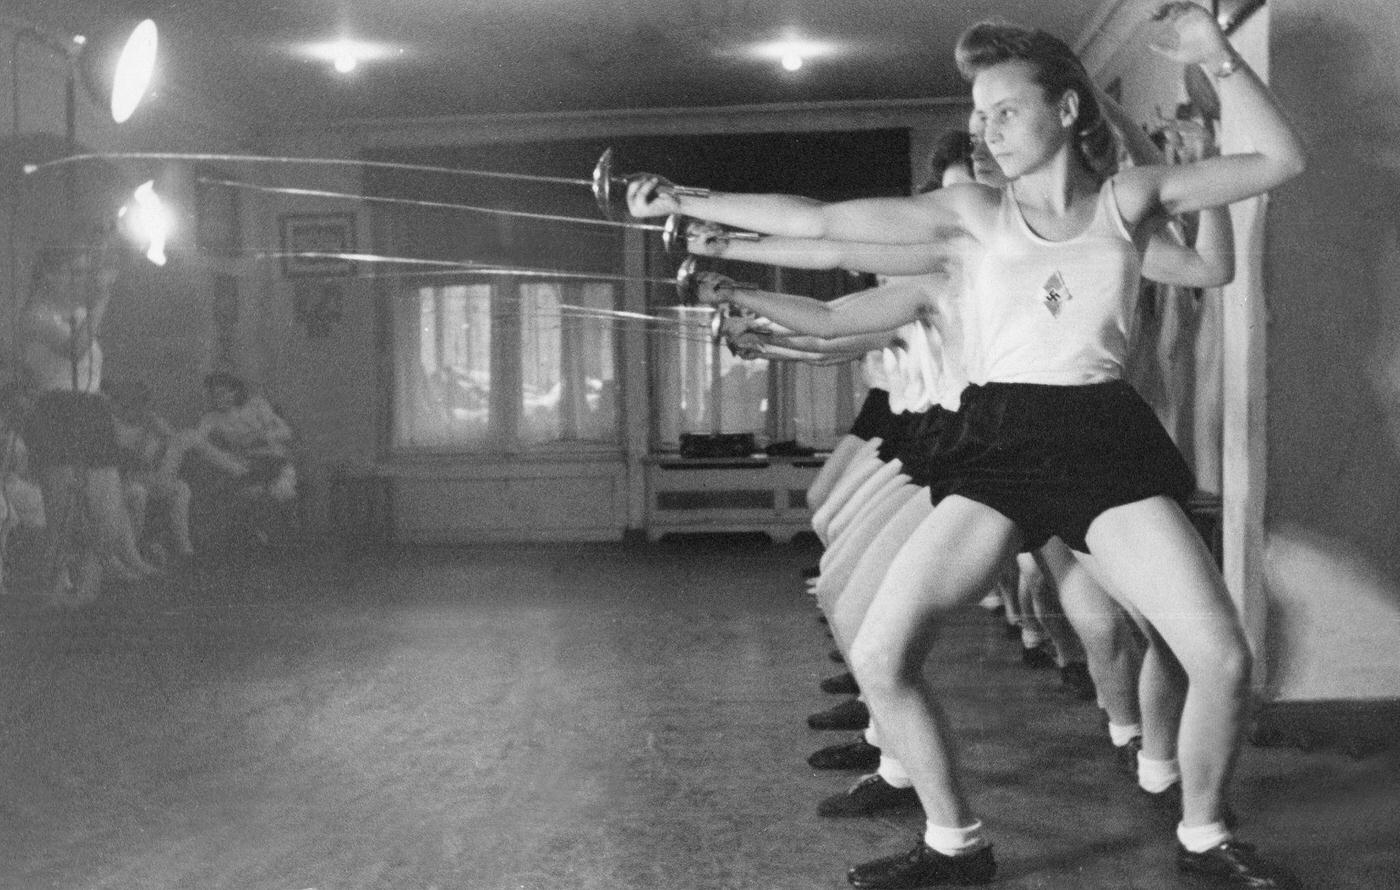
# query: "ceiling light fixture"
346,55
792,53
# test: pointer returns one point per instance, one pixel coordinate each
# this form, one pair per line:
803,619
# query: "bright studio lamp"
120,74
115,67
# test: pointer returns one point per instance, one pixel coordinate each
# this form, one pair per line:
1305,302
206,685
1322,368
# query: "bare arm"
1210,263
872,311
856,345
919,219
1278,154
820,253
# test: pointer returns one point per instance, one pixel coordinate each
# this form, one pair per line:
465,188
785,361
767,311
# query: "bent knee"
881,667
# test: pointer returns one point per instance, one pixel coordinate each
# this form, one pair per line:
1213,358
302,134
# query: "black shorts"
72,429
923,447
1052,458
897,434
874,418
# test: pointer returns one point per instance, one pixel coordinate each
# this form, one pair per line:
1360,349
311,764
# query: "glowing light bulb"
792,62
148,221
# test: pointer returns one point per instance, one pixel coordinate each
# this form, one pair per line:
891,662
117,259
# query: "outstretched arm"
919,219
820,253
1278,153
868,312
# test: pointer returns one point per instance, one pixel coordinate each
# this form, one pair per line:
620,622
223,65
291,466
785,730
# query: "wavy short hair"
1056,69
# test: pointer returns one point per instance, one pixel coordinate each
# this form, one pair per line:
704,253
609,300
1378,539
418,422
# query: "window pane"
540,360
698,386
742,395
825,403
443,374
598,401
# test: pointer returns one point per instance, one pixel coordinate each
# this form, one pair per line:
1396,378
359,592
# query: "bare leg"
1103,629
858,511
1161,683
862,465
951,558
884,475
840,458
847,609
849,552
1185,600
1049,611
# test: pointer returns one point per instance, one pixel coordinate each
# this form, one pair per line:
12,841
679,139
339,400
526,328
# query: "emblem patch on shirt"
1054,294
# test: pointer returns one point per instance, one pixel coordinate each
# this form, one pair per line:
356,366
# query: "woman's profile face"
1012,118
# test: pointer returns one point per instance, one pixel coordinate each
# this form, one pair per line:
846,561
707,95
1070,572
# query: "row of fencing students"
97,451
1047,449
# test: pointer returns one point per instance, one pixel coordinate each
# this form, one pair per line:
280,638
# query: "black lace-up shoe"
925,867
841,684
858,754
1037,658
850,714
870,796
1233,864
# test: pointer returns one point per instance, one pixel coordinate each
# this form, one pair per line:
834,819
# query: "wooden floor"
537,718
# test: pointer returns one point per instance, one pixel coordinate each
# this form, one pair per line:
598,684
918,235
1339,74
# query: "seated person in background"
21,501
248,427
154,453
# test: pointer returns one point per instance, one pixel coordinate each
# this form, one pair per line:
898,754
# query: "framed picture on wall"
310,242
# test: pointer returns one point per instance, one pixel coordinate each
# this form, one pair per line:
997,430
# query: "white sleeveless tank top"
1053,312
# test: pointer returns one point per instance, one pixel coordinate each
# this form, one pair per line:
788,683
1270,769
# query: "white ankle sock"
1157,776
893,773
1200,838
1123,733
954,841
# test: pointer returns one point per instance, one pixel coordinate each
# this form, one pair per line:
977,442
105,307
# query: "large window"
699,387
503,364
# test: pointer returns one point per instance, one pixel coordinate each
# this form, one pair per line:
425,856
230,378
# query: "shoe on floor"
1234,864
870,796
841,684
1037,657
925,867
1075,681
850,714
858,754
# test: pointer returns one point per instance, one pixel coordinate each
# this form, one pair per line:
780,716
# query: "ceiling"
462,57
